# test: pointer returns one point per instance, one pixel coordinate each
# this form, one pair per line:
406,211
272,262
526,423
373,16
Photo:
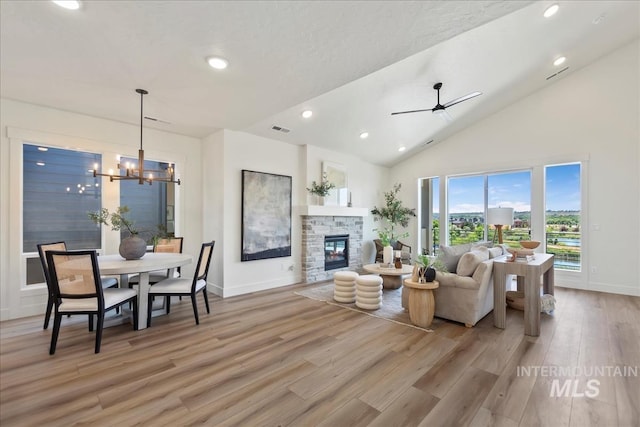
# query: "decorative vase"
320,200
132,247
426,274
387,255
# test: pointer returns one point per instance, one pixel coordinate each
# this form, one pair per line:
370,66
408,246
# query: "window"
512,190
151,206
562,215
57,194
466,201
430,215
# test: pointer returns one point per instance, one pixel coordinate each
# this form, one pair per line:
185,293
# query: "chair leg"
206,298
48,314
54,335
167,302
90,322
195,308
100,319
149,308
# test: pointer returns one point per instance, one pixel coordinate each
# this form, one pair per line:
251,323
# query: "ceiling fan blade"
462,98
412,111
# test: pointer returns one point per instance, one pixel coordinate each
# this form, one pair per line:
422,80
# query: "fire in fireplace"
336,252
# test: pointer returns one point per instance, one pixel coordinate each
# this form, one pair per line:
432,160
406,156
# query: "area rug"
390,310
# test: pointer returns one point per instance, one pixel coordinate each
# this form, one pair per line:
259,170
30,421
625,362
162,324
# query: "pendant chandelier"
140,174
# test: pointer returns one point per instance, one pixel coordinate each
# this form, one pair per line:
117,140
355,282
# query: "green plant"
117,219
393,213
430,261
321,189
384,236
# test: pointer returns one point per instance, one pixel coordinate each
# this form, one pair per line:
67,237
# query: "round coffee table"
391,277
422,304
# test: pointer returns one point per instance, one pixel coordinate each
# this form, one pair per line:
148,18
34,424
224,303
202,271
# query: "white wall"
590,114
75,131
231,152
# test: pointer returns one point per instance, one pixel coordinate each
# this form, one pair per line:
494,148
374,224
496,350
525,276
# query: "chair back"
42,249
75,275
204,260
169,245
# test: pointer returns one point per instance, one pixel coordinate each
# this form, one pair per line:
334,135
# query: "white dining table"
115,265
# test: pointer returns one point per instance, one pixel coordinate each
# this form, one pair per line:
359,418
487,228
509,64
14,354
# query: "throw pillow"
450,255
470,261
495,252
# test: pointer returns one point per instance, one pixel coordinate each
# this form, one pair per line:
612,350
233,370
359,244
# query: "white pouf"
345,286
369,292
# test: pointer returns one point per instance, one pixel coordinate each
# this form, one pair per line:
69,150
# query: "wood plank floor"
274,358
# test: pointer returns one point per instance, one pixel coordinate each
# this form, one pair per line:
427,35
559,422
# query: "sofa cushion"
450,255
495,252
469,261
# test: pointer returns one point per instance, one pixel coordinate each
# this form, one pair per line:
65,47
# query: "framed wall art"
266,215
337,175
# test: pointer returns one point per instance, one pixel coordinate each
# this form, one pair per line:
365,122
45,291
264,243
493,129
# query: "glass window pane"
58,191
148,204
466,209
563,201
512,190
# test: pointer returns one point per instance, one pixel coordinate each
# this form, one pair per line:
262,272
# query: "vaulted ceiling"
352,63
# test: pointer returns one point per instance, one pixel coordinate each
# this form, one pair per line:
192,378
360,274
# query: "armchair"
397,246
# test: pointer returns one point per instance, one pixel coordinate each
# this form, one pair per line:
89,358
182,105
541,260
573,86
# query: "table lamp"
499,217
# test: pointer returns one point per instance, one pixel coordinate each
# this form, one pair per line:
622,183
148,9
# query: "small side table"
422,304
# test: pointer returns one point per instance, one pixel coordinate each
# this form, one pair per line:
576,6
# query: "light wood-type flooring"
274,358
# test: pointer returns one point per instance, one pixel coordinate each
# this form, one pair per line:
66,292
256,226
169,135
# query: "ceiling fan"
440,109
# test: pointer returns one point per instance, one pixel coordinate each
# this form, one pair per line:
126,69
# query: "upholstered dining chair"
183,286
107,282
168,245
77,289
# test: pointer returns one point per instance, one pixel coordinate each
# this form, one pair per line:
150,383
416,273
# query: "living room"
590,114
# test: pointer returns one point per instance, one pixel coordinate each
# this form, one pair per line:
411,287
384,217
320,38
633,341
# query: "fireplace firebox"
336,252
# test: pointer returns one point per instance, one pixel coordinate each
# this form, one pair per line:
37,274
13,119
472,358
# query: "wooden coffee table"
391,277
422,304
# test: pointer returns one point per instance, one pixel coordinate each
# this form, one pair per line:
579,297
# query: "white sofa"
465,293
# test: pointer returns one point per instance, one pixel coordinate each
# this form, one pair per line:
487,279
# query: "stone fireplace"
316,228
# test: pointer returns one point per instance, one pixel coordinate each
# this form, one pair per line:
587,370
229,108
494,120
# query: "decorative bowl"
529,244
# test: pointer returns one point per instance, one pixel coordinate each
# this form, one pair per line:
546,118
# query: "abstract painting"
266,215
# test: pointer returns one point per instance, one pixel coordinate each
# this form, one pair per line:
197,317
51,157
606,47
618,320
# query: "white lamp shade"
500,216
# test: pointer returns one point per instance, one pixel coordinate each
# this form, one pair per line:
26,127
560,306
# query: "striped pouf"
369,292
344,286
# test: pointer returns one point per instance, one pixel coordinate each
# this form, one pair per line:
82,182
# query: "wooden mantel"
315,210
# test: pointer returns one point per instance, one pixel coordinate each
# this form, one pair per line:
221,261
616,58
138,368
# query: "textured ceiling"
352,62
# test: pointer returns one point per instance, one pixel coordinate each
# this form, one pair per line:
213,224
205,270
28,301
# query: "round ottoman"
369,292
344,286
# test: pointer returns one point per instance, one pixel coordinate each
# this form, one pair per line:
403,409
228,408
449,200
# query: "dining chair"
185,287
77,289
107,282
168,245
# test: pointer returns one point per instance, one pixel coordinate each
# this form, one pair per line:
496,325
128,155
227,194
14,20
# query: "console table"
541,265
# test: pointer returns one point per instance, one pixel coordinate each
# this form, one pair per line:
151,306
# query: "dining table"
115,265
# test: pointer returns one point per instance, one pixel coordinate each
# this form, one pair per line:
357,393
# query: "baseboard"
252,287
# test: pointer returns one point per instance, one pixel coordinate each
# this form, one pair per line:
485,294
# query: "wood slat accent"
277,358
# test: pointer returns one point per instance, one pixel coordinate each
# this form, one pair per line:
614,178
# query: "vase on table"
132,247
387,255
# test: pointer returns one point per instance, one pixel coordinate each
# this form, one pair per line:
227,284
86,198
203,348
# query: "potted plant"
321,190
394,214
387,249
132,247
427,266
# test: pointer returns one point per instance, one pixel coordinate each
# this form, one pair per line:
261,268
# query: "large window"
57,194
562,215
151,206
466,200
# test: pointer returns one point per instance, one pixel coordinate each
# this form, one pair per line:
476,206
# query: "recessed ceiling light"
307,113
559,61
364,135
551,10
218,63
40,163
68,4
401,149
43,149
